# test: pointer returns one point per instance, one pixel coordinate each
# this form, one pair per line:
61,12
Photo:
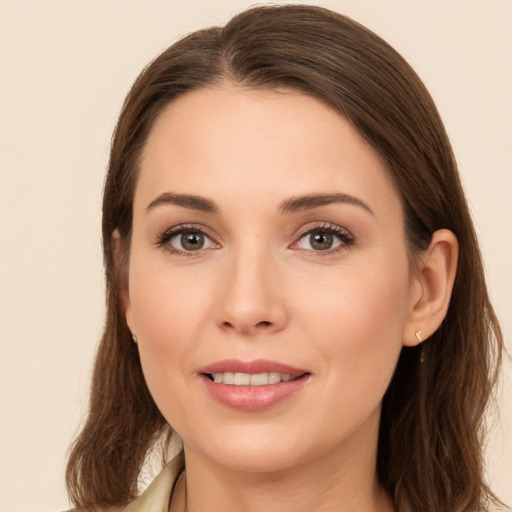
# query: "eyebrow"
308,202
185,201
292,205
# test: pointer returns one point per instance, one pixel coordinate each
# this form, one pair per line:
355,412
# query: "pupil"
321,241
192,241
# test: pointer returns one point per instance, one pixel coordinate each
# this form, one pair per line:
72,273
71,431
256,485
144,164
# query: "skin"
259,289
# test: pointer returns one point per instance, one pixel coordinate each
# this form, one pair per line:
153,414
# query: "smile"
253,386
251,379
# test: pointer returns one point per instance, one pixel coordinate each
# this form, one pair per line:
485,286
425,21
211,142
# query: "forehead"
232,141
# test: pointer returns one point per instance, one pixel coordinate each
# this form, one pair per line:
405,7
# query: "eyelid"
328,226
163,239
347,238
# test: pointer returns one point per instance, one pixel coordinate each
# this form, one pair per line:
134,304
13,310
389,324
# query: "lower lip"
254,398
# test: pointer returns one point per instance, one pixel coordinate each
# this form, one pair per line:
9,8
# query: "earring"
419,336
134,338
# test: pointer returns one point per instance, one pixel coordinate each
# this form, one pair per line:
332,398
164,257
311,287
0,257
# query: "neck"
341,480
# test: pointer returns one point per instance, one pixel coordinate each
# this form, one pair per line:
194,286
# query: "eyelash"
346,238
164,239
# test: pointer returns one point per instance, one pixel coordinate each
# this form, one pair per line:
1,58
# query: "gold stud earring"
419,336
134,338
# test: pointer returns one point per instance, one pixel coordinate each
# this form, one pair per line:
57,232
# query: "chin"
257,452
258,460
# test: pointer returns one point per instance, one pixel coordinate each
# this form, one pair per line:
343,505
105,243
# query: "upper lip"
253,367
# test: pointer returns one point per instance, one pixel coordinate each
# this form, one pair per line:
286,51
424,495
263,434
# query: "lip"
255,366
253,398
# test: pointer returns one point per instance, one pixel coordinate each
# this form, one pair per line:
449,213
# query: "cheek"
168,312
358,303
357,325
167,306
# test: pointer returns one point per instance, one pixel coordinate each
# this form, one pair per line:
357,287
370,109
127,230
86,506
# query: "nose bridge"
251,300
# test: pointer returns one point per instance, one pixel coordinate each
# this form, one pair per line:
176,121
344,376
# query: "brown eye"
321,240
324,239
190,240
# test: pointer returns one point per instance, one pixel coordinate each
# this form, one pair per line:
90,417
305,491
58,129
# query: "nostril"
247,327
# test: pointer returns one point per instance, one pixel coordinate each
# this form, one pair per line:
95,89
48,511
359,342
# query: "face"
268,282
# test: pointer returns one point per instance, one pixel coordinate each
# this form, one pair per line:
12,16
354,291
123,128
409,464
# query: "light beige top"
157,496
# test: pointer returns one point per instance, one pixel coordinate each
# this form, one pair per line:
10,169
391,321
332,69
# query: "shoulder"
115,509
157,496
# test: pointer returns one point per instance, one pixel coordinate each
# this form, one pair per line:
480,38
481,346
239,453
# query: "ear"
121,268
431,288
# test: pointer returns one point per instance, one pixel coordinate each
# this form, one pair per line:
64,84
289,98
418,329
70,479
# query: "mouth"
251,379
259,372
253,386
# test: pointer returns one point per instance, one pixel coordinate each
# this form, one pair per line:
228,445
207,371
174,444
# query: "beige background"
65,68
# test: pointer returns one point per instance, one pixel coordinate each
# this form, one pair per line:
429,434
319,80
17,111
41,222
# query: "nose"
251,298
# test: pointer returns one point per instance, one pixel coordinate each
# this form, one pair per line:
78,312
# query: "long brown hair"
432,424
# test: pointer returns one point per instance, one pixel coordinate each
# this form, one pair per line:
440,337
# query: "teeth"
242,379
228,378
274,378
251,379
259,379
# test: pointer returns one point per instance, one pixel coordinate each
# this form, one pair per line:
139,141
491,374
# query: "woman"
294,284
